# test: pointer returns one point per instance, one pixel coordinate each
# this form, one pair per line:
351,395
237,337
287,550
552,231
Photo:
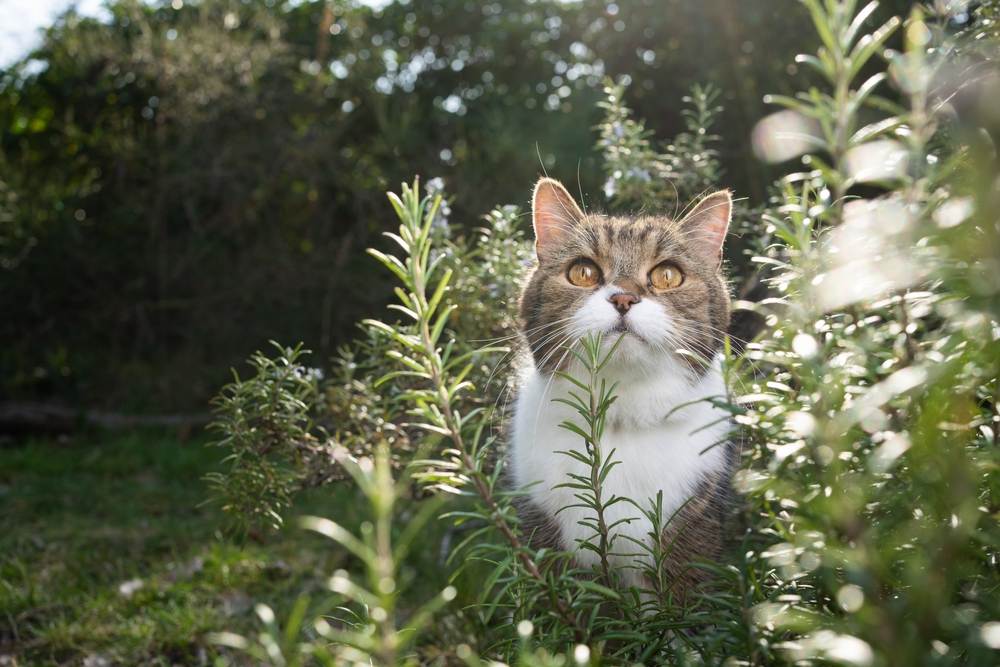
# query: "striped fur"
664,445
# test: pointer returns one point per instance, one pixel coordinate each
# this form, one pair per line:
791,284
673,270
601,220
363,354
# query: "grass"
108,554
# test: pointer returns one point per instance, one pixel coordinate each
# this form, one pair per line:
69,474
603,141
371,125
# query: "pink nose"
623,301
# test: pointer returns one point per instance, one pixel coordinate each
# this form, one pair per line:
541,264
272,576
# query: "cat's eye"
583,273
666,276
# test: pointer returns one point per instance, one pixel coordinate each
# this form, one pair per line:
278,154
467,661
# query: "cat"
657,284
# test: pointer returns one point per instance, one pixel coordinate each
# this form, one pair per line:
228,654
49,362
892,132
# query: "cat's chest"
654,455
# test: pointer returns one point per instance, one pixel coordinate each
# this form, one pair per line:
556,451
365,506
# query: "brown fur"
625,249
695,533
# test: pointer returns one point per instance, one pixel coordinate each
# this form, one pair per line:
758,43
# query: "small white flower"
434,185
128,588
610,188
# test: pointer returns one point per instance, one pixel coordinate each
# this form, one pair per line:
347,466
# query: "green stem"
453,427
594,444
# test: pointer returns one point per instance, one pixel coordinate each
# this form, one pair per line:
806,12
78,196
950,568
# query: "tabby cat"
657,284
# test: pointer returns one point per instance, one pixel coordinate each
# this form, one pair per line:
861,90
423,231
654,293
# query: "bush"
867,409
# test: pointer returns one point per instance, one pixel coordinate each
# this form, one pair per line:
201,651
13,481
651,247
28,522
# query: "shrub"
867,409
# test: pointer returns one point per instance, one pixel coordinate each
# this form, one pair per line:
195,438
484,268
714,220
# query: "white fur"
660,447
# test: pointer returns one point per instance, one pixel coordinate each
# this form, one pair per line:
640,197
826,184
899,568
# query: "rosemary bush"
871,431
867,408
638,175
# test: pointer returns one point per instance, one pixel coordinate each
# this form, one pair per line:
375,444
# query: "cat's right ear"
553,213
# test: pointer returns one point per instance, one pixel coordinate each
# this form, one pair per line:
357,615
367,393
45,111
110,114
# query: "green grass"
81,517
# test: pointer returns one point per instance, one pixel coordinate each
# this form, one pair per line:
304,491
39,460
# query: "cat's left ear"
705,227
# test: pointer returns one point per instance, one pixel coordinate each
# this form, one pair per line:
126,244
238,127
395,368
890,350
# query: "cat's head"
655,279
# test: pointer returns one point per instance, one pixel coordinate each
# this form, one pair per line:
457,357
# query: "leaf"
399,240
438,293
601,590
339,534
573,428
873,130
390,263
864,90
569,378
403,309
397,205
388,377
406,361
797,105
869,44
433,428
823,67
822,24
442,320
859,19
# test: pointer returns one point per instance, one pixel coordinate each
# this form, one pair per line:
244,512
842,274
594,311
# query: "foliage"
867,409
108,554
183,182
281,424
639,177
370,631
870,466
266,425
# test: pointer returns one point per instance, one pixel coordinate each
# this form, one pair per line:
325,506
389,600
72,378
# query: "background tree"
181,185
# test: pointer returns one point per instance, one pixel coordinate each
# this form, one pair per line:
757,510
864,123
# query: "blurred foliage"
181,185
642,178
872,420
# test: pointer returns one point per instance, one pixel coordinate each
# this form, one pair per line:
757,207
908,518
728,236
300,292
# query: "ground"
110,555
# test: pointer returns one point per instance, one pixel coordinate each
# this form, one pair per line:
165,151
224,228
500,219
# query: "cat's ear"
705,227
553,213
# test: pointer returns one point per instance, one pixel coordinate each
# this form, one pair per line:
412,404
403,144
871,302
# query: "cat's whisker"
548,336
526,332
505,395
693,328
526,335
706,325
678,345
685,336
555,348
742,386
717,335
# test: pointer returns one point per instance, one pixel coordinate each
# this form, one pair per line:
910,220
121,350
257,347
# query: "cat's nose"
623,301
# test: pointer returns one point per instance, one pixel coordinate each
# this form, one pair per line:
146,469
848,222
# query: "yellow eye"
583,273
666,276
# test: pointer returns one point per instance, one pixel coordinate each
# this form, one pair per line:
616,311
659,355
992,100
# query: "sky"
21,22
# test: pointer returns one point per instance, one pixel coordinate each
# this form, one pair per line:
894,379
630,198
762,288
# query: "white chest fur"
660,447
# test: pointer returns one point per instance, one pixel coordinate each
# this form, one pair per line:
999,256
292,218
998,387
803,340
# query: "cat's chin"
624,331
633,350
620,327
628,343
